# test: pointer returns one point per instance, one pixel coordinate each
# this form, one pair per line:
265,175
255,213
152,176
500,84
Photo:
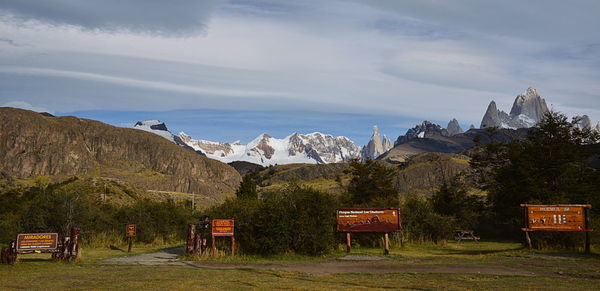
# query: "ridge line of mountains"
317,148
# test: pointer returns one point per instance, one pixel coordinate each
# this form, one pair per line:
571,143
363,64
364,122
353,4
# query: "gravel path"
164,257
347,264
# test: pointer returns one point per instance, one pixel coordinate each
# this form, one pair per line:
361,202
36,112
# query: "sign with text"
131,230
562,217
37,241
222,227
368,220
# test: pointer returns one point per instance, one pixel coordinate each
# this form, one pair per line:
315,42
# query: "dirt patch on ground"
348,264
372,267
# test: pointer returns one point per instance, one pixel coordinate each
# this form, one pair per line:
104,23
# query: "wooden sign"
47,242
561,217
222,227
130,230
368,220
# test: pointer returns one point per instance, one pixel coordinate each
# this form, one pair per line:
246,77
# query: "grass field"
554,271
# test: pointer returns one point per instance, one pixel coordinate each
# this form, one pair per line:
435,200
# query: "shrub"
422,223
292,219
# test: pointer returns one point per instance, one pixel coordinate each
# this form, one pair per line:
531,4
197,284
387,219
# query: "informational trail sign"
45,242
130,230
29,243
130,233
368,220
559,217
222,227
556,217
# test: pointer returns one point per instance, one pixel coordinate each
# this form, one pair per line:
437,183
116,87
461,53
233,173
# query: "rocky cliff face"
376,146
453,127
32,144
530,104
527,110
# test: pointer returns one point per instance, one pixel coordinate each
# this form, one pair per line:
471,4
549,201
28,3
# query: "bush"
294,219
421,223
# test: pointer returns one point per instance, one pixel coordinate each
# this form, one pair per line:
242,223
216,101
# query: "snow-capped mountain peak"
266,150
159,128
527,110
156,127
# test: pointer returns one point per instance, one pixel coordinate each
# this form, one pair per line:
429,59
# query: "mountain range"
317,148
313,148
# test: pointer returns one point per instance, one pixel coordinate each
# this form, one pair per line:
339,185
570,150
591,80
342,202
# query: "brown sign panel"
37,241
368,220
562,217
222,227
130,230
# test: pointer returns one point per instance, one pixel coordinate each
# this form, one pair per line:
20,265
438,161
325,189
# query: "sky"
230,70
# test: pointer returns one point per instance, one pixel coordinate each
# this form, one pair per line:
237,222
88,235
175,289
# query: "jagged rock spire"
376,146
453,127
527,110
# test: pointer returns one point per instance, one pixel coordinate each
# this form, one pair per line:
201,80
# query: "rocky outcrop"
527,110
376,146
32,144
387,144
424,130
453,127
529,104
598,126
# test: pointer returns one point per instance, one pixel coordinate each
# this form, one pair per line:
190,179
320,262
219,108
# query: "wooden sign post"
368,220
130,233
223,227
559,217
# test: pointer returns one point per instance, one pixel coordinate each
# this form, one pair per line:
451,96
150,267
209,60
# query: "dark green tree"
372,184
453,199
549,166
247,188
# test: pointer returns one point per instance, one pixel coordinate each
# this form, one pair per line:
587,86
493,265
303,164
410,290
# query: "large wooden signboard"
222,227
368,220
45,242
561,217
130,230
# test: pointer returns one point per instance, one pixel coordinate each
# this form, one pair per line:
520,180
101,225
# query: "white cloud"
362,57
178,17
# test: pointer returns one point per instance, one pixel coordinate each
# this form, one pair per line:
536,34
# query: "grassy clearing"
559,271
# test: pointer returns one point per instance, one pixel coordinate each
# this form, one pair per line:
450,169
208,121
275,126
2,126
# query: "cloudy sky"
227,70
